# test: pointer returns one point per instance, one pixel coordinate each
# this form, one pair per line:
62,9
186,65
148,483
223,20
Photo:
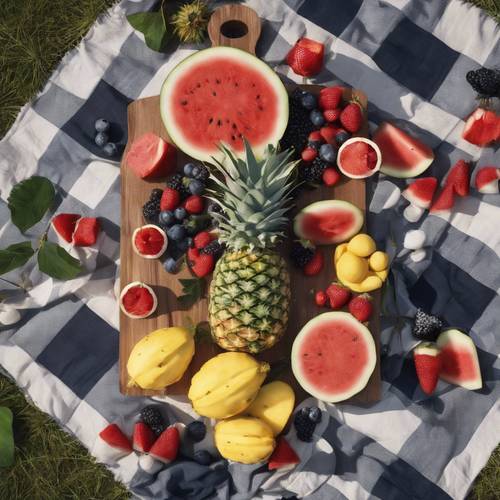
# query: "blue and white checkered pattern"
410,58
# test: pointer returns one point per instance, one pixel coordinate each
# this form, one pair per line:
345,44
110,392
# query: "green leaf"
192,289
153,26
29,200
15,256
6,438
57,263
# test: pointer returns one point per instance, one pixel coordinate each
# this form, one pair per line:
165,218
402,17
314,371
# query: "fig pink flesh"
333,356
138,301
149,241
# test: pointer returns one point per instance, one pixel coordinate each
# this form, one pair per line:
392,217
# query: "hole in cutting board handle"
234,29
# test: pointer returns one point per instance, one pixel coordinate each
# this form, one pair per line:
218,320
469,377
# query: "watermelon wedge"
402,155
459,177
64,225
486,181
421,191
444,202
482,127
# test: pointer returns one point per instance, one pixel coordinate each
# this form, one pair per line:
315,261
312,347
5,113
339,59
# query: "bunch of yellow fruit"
228,388
359,265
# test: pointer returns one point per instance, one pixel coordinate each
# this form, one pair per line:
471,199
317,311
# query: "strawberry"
338,295
330,98
330,176
114,437
444,202
332,115
427,358
315,265
352,117
459,178
166,447
308,154
64,225
283,456
143,437
320,298
486,180
194,204
306,57
202,239
170,199
328,133
86,232
204,264
192,254
315,136
361,307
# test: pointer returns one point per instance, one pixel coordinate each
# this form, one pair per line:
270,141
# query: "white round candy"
414,239
412,213
9,316
418,255
149,464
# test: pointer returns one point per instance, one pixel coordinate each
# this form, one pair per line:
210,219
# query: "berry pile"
305,421
101,138
336,296
306,257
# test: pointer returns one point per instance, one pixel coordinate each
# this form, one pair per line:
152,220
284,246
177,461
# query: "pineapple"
250,290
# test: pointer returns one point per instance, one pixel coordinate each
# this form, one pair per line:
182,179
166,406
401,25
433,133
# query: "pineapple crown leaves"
254,194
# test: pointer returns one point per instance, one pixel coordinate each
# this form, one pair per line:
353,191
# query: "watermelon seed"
198,85
260,108
320,354
184,102
219,123
210,120
234,126
217,81
214,93
233,138
253,84
236,84
258,96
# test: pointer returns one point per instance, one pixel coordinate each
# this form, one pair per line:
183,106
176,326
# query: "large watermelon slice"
328,222
222,95
402,155
333,356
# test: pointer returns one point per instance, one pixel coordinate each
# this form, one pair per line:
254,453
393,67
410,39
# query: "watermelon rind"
369,173
357,385
413,146
320,206
149,289
241,56
461,340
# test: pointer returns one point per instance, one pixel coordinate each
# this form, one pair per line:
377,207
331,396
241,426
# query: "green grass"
50,465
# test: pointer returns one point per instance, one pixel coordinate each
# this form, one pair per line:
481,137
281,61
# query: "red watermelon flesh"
151,157
460,364
421,191
166,446
333,356
64,225
487,180
482,127
402,155
86,232
143,437
358,158
138,301
444,202
328,222
149,240
459,177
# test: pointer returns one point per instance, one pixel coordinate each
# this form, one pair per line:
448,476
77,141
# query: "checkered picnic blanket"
410,58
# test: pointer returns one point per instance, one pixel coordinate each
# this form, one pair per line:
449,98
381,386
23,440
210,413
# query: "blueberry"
342,136
314,414
196,430
110,149
308,101
101,125
180,213
196,187
167,217
202,457
317,118
183,245
101,139
177,232
327,153
195,172
188,169
202,174
171,265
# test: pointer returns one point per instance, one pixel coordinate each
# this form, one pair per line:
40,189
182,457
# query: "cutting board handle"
234,25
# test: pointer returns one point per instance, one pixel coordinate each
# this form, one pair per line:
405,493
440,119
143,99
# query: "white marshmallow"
418,255
412,213
414,239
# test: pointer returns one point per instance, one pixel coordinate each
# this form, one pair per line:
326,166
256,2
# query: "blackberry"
299,125
152,417
304,426
314,414
426,326
300,255
203,173
486,82
312,172
156,195
151,211
177,182
214,248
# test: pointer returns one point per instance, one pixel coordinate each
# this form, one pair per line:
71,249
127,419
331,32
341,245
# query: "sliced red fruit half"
64,225
151,157
283,456
114,437
444,202
86,232
482,127
421,191
143,437
138,300
149,241
459,178
166,447
459,357
486,181
359,158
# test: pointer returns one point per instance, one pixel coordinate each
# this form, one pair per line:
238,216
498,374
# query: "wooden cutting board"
144,116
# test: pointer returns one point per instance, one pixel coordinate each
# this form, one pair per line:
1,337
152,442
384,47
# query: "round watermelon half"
220,96
333,356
